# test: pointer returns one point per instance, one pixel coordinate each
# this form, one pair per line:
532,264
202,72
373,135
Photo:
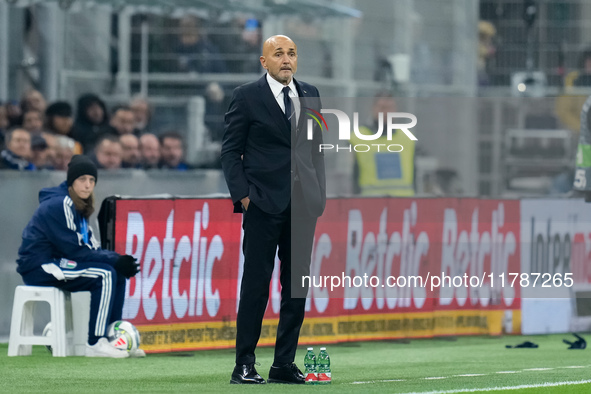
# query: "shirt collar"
277,87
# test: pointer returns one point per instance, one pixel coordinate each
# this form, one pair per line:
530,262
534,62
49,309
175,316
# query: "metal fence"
419,48
556,37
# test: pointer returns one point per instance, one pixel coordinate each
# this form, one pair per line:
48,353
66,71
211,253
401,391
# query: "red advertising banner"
381,268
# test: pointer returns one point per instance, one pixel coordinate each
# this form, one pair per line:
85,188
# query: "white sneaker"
137,353
104,349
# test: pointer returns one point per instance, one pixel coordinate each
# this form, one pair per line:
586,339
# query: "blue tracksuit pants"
106,287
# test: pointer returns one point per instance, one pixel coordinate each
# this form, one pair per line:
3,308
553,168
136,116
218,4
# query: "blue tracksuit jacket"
56,231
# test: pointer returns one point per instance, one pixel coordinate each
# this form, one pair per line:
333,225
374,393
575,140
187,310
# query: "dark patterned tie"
287,103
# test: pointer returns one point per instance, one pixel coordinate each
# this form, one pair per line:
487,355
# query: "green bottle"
310,367
323,367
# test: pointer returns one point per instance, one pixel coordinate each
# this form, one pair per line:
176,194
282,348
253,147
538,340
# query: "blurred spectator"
59,121
14,113
142,114
41,155
569,103
33,100
18,151
122,122
486,50
3,125
172,152
90,119
130,145
568,107
64,151
108,153
33,121
59,118
150,151
379,172
51,140
195,51
243,47
250,47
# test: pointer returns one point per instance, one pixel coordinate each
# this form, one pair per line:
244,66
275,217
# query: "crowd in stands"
36,136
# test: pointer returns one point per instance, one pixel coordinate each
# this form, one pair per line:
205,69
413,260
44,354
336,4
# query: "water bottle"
324,375
310,366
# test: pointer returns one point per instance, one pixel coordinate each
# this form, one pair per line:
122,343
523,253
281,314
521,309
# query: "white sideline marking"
471,374
503,388
482,374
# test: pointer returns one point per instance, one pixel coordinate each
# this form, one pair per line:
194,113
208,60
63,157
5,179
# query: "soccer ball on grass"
123,335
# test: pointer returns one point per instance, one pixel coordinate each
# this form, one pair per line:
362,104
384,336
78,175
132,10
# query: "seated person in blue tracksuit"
59,249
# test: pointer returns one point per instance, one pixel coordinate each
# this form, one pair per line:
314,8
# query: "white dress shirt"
277,90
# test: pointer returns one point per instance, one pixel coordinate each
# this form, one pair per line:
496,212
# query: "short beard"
84,206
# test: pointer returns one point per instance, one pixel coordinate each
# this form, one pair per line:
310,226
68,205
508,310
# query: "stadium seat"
61,338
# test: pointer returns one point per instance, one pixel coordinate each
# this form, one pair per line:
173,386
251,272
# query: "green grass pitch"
430,365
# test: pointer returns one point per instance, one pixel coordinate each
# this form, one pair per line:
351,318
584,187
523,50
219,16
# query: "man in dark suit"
277,180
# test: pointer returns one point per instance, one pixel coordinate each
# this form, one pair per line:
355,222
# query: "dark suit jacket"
257,158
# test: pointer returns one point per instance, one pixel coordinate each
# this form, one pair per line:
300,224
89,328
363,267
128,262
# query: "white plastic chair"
61,337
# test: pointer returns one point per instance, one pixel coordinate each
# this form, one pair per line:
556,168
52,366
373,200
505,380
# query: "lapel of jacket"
272,106
304,103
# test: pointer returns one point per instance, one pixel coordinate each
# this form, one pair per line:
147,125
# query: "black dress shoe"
288,373
246,374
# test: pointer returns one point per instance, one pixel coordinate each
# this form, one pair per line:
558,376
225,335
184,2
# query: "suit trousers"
292,231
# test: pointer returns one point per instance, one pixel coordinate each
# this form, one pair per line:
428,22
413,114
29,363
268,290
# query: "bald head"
277,41
280,58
